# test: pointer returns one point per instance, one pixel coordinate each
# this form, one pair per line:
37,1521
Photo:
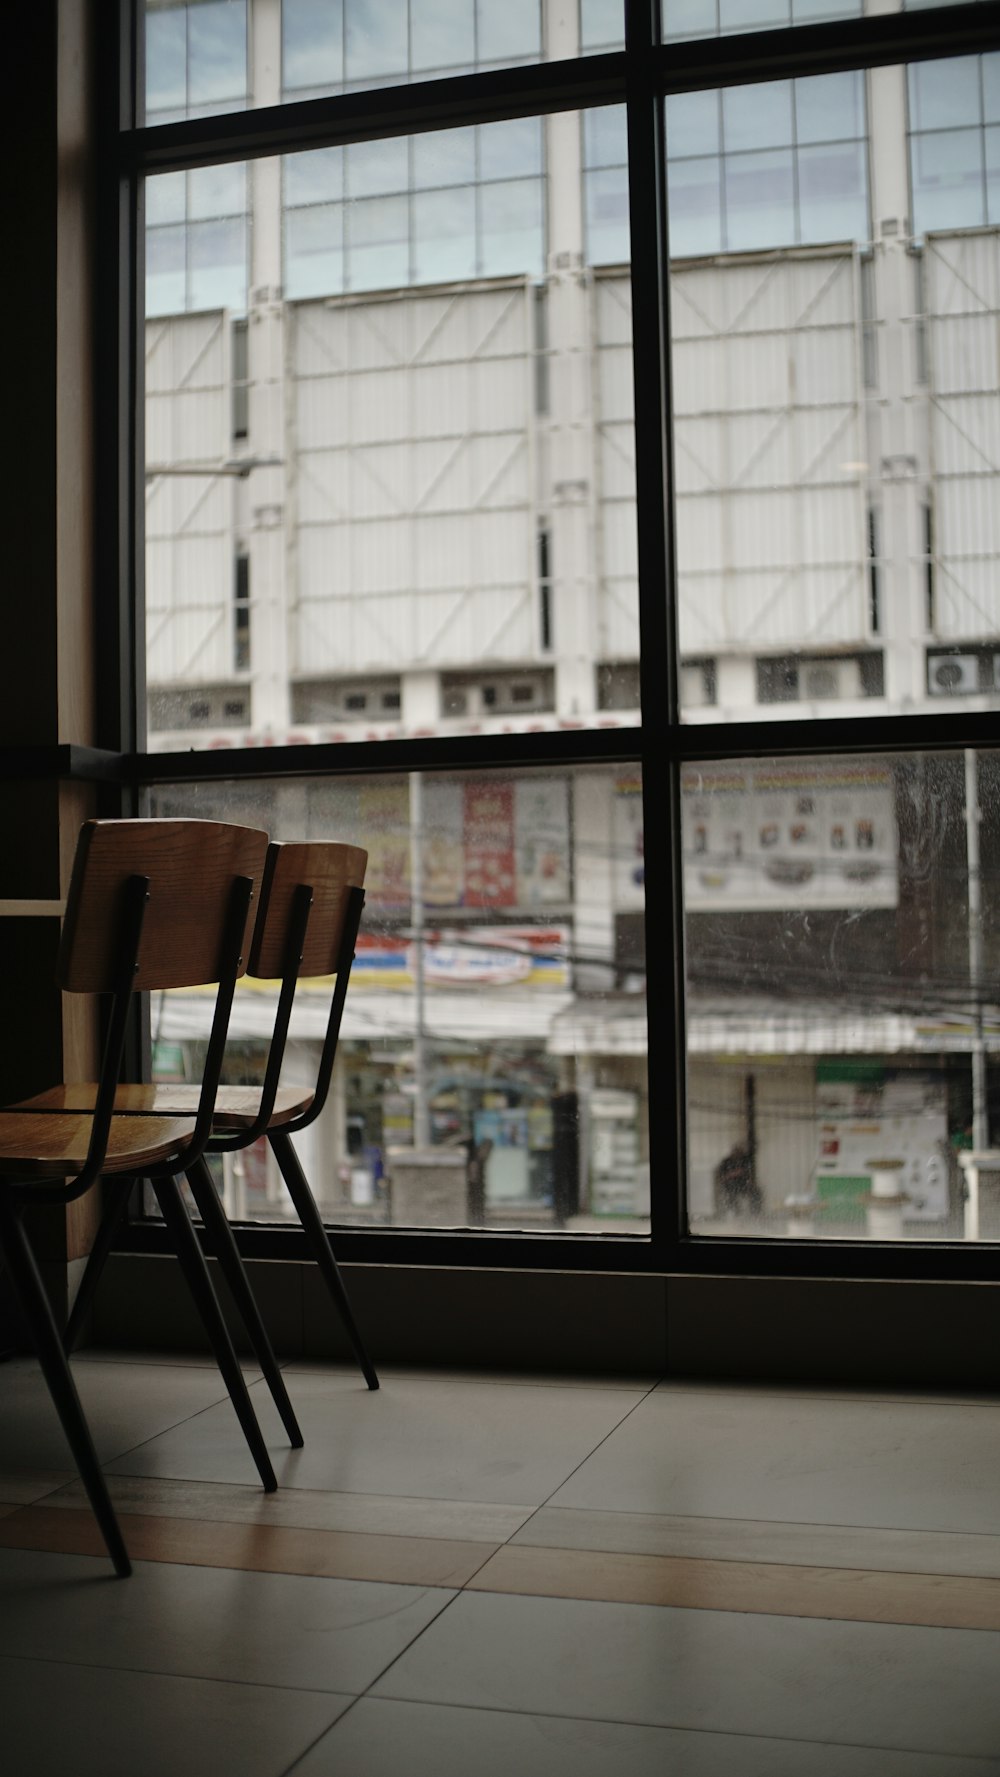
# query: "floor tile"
848,1594
124,1403
503,1378
378,1738
440,1440
205,1622
808,1461
260,1548
305,1508
93,1723
741,1539
925,1690
830,1391
170,1359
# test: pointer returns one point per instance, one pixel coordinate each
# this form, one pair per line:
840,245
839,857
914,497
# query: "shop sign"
789,834
477,957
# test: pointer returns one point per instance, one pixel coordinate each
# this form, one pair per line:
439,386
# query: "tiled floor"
502,1576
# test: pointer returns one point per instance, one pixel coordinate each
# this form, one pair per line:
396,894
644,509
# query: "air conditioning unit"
822,679
952,675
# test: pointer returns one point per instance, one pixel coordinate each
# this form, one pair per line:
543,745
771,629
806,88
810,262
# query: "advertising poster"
789,834
490,861
541,810
384,819
444,843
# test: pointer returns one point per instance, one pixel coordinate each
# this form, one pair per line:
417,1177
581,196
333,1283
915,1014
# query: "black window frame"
640,76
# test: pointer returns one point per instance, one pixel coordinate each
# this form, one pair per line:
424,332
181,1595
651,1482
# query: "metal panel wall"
614,446
962,283
767,414
189,503
771,526
412,480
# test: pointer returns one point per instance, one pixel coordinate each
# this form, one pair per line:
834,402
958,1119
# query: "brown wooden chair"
151,905
307,924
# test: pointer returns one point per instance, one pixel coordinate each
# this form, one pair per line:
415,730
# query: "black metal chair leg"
115,1205
192,1260
34,1303
223,1245
319,1241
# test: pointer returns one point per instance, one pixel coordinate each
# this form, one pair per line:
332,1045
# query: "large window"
656,662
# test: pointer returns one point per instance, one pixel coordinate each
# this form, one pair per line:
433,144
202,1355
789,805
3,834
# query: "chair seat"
235,1106
46,1145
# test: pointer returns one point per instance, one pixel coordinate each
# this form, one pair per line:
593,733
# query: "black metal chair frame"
219,1234
15,1196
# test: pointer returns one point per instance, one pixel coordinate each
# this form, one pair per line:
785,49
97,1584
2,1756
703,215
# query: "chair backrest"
330,870
191,866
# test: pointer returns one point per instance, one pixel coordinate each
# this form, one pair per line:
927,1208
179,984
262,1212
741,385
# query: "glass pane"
695,207
165,198
512,227
217,51
605,137
314,251
165,270
444,157
993,173
689,18
713,18
314,178
693,125
945,95
217,264
217,191
444,226
376,40
833,193
378,231
835,410
372,457
840,977
376,167
757,116
312,43
607,217
602,24
830,107
196,57
492,1062
511,150
166,59
760,200
442,33
753,15
509,32
948,186
991,87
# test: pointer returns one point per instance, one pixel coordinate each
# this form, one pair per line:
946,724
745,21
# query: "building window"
955,142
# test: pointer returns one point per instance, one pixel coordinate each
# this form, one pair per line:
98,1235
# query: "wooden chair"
151,905
307,925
